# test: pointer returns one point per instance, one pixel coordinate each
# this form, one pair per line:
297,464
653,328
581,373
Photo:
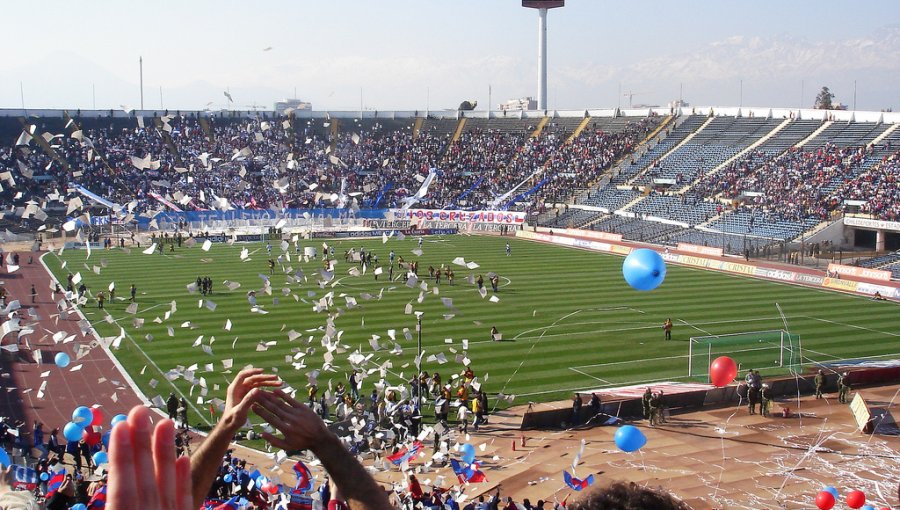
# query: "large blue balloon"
644,269
117,419
228,478
467,452
72,431
78,506
4,459
61,359
82,416
630,438
833,491
101,458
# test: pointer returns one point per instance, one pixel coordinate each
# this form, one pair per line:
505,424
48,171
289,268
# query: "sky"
429,54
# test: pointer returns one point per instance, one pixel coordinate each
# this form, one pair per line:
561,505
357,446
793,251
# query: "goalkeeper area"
773,352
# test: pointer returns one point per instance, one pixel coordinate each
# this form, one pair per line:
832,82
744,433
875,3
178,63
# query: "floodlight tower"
542,6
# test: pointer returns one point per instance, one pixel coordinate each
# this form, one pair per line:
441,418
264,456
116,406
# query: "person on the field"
101,298
595,404
495,334
820,383
667,327
480,281
766,402
753,394
495,283
449,273
654,409
843,388
508,250
172,406
645,403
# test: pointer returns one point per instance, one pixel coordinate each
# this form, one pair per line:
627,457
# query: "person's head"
821,371
627,496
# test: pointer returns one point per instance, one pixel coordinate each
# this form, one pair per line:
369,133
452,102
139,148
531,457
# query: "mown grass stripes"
561,308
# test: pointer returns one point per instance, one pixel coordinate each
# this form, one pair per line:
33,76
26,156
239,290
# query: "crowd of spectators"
280,163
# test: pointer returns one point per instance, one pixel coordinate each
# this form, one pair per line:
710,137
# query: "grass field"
569,322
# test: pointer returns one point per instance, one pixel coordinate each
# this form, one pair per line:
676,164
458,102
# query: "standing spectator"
645,402
820,383
37,435
172,406
576,409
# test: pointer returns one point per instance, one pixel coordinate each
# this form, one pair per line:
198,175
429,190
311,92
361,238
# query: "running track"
99,381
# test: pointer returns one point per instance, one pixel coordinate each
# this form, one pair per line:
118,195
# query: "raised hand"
144,473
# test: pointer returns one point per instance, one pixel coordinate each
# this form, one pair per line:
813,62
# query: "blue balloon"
117,419
72,432
467,452
867,507
78,506
44,477
832,490
630,438
101,458
4,459
61,359
644,269
228,478
82,416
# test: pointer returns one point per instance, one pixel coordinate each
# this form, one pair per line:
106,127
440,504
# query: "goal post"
771,352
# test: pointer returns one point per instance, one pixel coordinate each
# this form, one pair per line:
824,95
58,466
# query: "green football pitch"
568,320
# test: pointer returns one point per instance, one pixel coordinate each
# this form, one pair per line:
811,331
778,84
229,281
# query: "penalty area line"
604,381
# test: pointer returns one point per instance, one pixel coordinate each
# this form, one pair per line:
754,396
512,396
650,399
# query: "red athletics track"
66,389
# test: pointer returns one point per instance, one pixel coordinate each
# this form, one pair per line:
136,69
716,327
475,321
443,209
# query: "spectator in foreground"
627,496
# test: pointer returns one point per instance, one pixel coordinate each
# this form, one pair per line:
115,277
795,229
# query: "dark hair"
628,496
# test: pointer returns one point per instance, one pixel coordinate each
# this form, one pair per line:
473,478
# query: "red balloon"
722,371
856,499
91,437
97,413
824,500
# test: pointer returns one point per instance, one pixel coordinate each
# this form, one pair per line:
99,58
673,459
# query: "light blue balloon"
44,477
467,453
119,418
867,507
644,269
72,431
100,458
82,416
833,491
228,478
78,506
62,359
630,438
4,459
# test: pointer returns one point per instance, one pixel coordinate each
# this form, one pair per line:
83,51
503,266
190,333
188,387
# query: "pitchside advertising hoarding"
497,217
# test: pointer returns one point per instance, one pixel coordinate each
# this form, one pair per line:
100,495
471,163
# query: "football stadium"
554,301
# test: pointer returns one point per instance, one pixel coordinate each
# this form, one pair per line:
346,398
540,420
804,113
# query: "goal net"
770,352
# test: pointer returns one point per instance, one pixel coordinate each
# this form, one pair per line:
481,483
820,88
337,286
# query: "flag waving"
405,454
577,483
304,478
